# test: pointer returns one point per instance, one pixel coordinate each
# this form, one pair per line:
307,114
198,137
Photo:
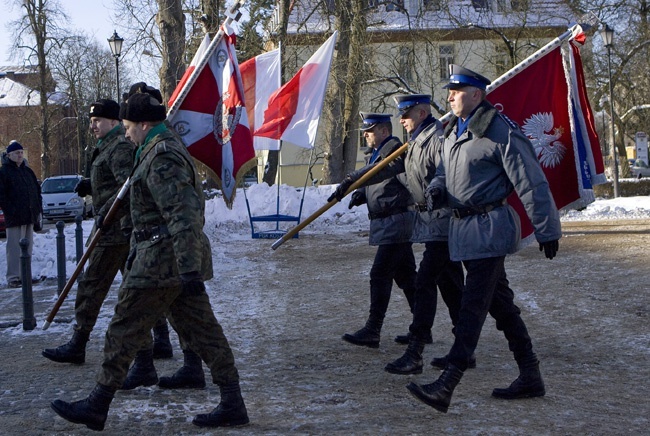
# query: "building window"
395,5
519,5
446,58
432,5
483,5
406,63
502,60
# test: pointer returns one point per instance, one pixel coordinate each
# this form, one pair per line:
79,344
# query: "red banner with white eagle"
212,120
549,103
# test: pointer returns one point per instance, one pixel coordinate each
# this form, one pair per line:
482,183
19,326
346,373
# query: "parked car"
60,202
640,169
3,225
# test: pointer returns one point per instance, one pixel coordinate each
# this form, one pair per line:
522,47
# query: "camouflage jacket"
166,192
111,164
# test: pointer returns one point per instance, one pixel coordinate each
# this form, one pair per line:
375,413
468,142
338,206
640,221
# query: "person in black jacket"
21,202
391,226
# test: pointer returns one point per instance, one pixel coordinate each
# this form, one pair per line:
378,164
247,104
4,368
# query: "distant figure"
21,202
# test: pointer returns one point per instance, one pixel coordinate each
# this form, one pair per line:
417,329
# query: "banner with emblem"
211,119
548,102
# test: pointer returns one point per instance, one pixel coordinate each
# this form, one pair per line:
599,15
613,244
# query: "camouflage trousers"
103,265
136,313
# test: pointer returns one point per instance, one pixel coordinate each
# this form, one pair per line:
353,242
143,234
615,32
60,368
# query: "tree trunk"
348,74
171,25
273,158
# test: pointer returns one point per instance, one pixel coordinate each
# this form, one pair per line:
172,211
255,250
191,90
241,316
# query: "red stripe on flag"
282,107
197,99
248,72
180,85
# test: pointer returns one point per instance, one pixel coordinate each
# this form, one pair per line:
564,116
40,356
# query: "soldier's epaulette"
161,147
513,125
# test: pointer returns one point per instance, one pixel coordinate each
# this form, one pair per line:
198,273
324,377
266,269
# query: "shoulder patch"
513,125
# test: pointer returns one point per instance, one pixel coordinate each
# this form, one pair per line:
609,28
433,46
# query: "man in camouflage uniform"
112,161
170,260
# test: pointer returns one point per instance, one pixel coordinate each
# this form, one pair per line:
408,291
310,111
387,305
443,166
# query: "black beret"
105,108
13,146
142,107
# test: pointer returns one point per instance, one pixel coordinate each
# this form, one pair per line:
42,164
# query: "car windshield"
640,164
55,186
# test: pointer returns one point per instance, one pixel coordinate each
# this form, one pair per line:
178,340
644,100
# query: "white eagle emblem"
549,150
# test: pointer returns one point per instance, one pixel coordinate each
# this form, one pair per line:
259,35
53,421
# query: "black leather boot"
367,336
405,339
529,383
231,411
441,362
72,352
189,376
410,362
438,393
92,411
162,348
142,373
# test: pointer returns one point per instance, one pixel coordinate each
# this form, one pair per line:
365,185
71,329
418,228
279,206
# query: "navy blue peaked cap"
407,101
461,76
370,120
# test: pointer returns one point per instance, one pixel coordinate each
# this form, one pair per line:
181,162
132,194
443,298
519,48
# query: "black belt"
151,233
463,212
386,213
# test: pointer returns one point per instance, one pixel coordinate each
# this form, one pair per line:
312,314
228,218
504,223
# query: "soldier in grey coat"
112,161
485,158
391,226
170,261
430,227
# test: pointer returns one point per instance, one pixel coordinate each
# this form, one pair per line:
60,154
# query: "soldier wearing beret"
485,158
430,227
111,164
391,226
172,258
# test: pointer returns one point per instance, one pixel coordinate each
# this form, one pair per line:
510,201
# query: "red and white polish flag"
543,99
212,119
261,77
294,110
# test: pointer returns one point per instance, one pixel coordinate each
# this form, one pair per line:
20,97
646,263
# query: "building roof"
15,94
385,16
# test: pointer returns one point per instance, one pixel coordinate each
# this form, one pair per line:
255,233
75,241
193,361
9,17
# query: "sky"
91,16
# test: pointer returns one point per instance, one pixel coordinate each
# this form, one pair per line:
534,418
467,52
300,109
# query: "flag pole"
232,14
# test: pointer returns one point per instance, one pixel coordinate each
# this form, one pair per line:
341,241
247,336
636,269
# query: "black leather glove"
357,199
432,195
83,188
340,190
550,248
99,221
192,283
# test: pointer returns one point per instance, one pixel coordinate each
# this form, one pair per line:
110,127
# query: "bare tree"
37,33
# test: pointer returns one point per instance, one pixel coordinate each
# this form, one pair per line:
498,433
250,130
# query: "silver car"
640,169
60,202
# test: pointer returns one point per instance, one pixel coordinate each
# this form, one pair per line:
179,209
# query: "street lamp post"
607,33
115,42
